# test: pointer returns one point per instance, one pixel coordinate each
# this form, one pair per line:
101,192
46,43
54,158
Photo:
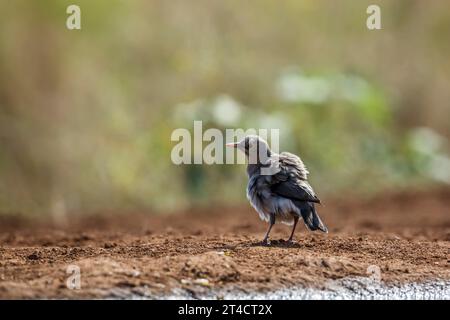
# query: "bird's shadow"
280,243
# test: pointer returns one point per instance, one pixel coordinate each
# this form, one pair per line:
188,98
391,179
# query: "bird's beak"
232,145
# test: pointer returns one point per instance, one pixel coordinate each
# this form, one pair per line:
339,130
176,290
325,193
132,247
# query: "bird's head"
252,146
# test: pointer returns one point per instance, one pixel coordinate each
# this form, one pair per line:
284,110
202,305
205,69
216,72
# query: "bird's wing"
294,165
290,182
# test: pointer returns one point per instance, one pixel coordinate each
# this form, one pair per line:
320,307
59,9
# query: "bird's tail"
311,218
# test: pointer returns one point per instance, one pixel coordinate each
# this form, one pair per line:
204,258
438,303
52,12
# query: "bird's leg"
271,223
266,237
293,229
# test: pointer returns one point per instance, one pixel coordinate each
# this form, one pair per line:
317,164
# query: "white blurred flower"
226,111
295,87
426,141
439,168
429,143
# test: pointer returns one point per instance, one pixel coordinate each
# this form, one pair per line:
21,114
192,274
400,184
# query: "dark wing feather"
294,190
290,182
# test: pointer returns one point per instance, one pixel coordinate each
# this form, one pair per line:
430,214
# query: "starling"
282,192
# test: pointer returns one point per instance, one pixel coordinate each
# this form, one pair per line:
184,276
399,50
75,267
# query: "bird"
281,193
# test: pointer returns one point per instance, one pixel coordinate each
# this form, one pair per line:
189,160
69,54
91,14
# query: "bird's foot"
265,242
290,241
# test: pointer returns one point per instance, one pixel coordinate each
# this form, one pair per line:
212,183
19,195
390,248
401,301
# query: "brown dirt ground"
406,235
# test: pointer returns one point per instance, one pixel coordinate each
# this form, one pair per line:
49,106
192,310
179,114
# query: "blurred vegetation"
86,116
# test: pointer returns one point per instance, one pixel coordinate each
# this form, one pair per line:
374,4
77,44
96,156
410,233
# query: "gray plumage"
283,196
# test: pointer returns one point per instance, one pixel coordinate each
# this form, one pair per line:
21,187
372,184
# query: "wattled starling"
278,188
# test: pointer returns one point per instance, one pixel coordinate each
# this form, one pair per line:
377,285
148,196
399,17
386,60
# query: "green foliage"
86,116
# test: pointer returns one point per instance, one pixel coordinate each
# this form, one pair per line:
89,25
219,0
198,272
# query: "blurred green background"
86,116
